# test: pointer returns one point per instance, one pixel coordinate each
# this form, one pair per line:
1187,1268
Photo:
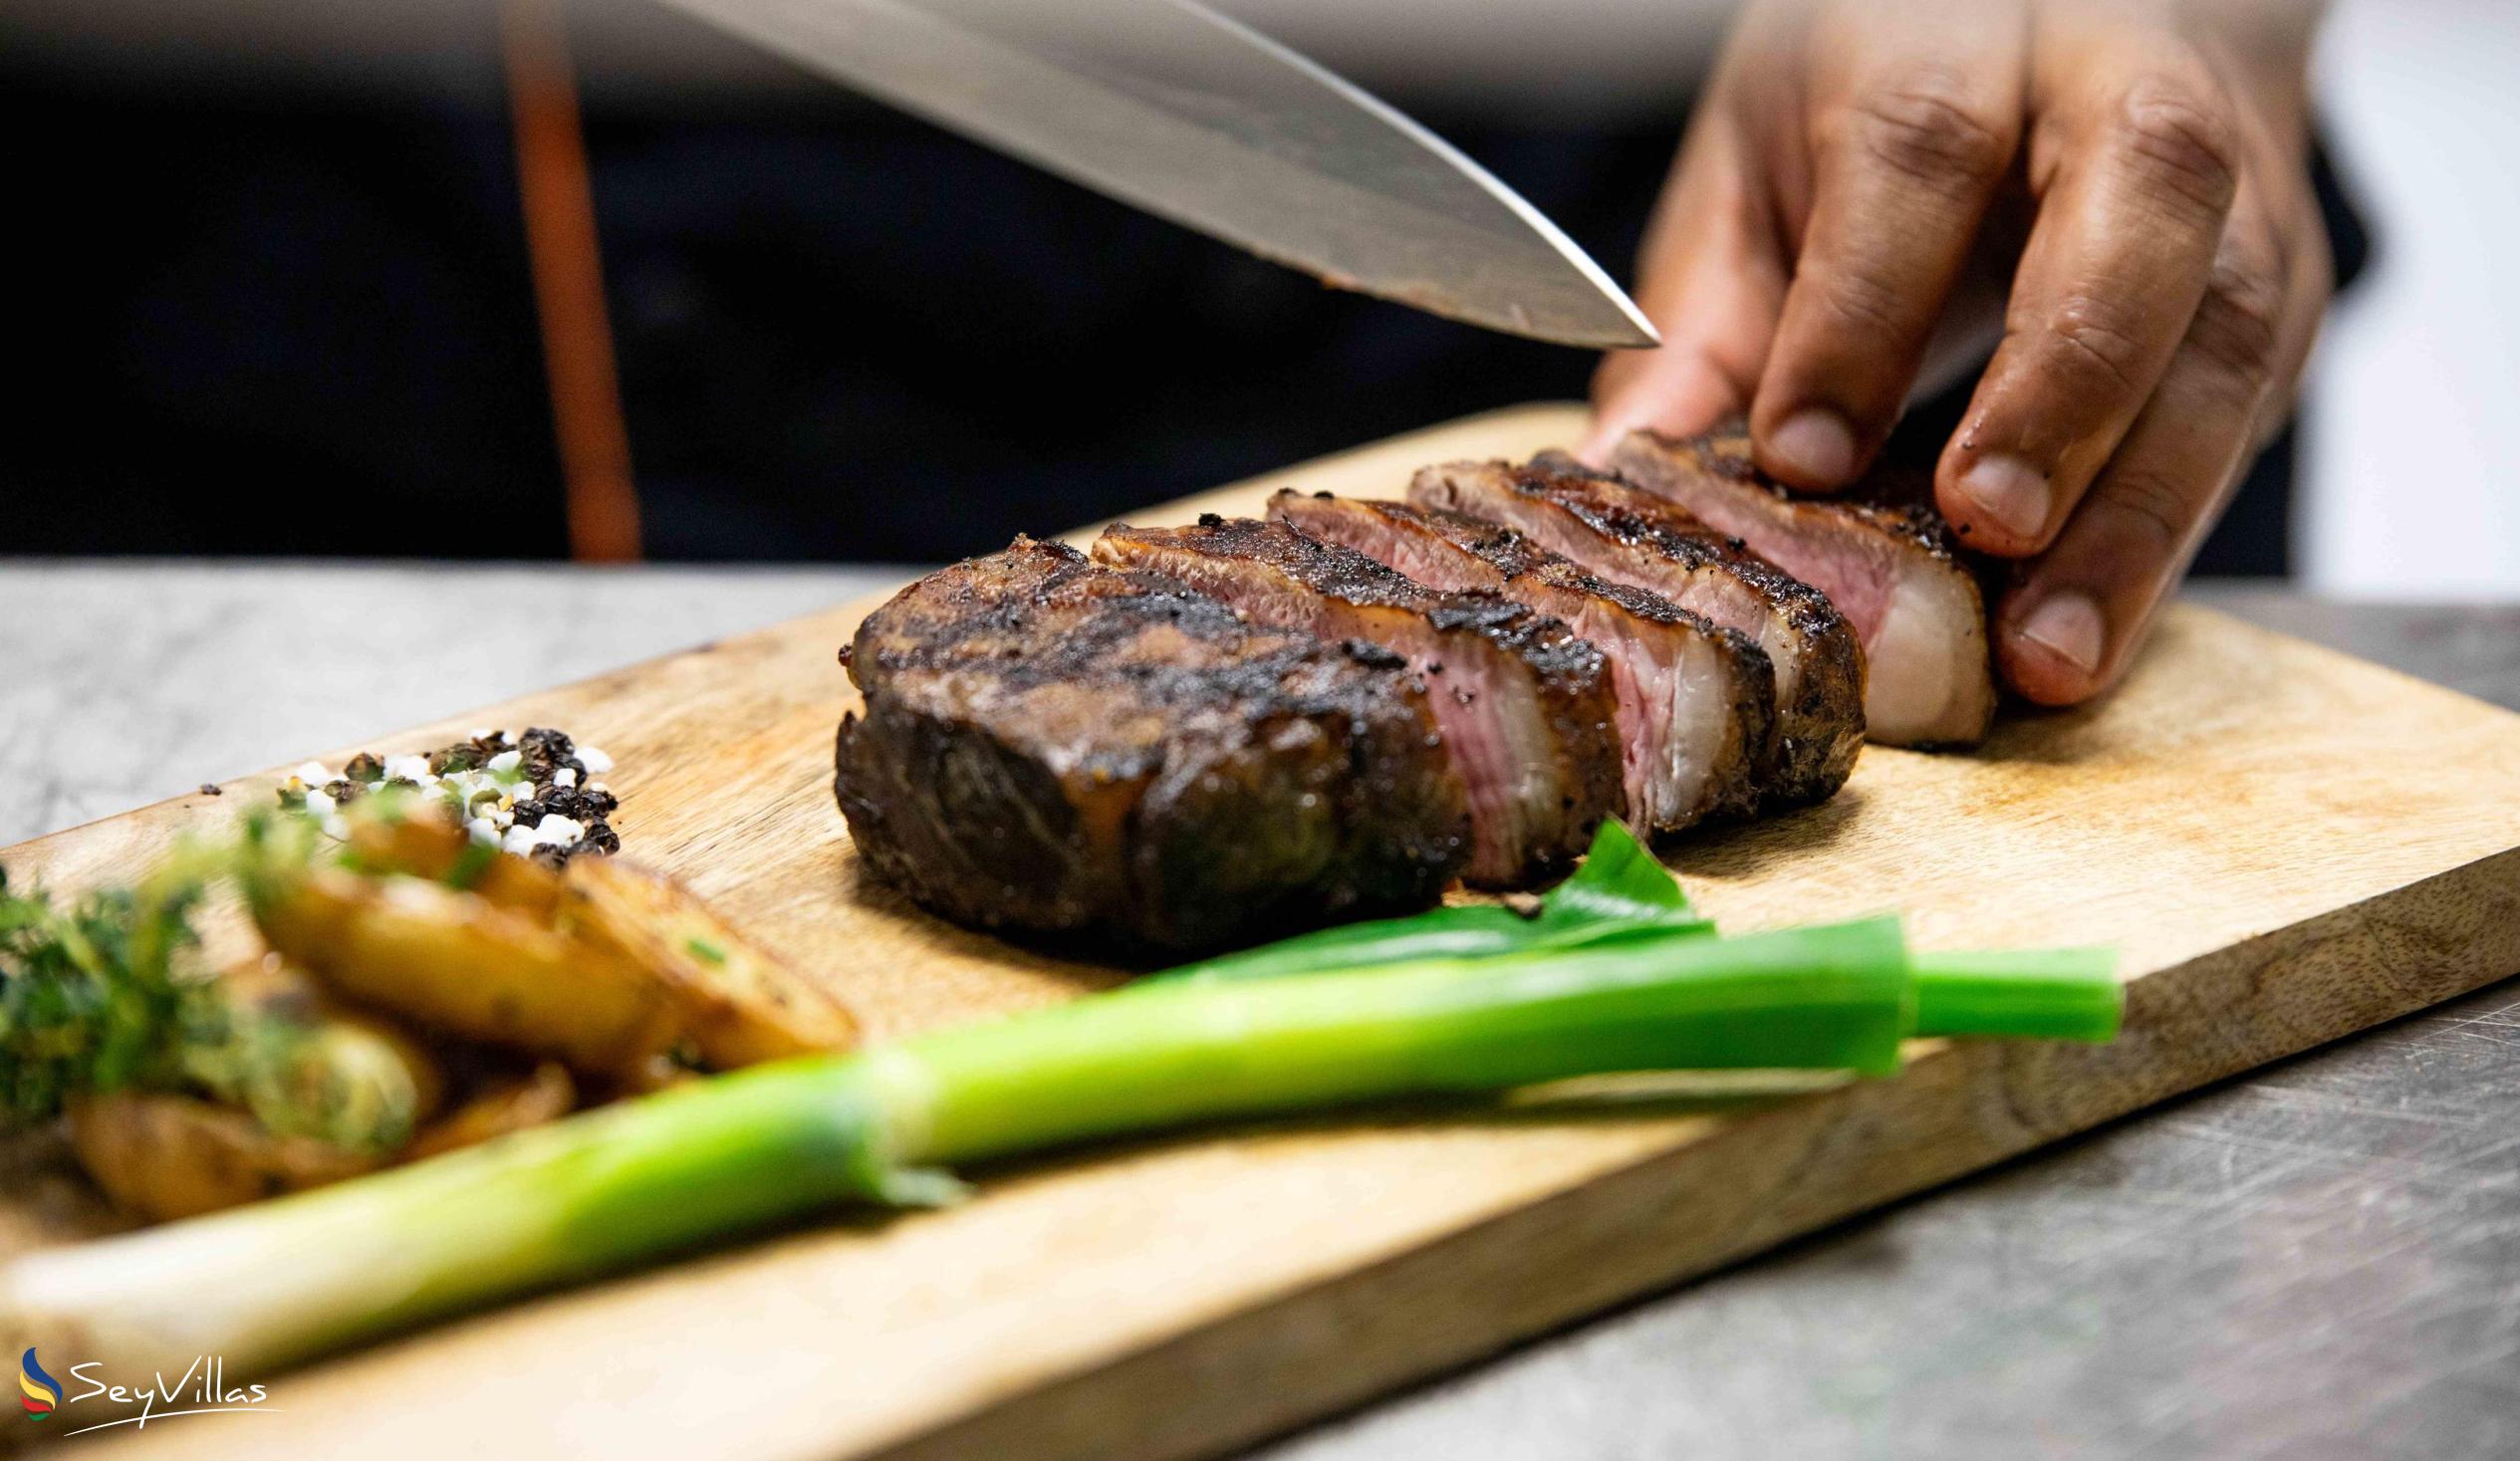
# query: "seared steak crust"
1053,747
1696,702
1881,554
1526,707
1632,537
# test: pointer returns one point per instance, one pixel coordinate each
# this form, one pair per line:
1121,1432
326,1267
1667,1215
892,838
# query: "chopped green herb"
705,952
88,996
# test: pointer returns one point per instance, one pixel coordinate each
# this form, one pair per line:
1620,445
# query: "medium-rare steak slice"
1695,702
1052,746
1635,538
1880,552
1526,707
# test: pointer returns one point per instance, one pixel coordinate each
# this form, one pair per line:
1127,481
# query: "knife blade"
1192,117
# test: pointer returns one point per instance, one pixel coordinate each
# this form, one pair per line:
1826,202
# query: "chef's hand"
2131,173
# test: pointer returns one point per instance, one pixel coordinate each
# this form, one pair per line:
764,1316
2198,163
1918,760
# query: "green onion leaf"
1620,892
1620,879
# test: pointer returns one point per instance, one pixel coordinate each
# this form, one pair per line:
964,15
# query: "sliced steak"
1052,746
1880,552
1526,706
1635,538
1696,703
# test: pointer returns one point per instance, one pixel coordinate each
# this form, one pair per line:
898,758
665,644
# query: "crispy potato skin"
740,1005
174,1156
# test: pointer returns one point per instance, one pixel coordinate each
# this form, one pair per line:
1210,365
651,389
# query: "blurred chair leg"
560,238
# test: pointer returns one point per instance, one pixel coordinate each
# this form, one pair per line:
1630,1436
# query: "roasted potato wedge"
740,1004
174,1156
507,1104
453,961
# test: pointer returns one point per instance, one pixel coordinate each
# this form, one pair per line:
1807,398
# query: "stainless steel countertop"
2321,1258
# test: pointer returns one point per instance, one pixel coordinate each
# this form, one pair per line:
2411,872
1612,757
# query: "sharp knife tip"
1640,334
1641,337
1629,331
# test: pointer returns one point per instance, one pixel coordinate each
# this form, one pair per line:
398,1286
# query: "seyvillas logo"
42,1392
203,1389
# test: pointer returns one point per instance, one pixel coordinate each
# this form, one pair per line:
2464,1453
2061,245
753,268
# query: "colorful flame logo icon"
42,1392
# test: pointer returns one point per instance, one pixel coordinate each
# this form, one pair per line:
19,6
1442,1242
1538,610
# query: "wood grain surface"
2288,845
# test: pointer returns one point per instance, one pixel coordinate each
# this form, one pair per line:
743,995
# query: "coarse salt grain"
594,761
563,776
409,768
483,831
558,832
506,760
313,774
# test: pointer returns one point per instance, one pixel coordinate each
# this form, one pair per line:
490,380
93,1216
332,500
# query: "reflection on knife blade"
1193,118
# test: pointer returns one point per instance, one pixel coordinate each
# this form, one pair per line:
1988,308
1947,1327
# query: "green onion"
2035,994
1624,894
283,1279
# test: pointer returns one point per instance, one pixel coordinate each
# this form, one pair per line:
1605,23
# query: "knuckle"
2155,509
1860,302
2239,327
2182,146
2099,341
1927,127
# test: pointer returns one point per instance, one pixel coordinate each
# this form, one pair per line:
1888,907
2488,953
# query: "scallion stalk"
280,1281
1624,895
2031,994
1828,998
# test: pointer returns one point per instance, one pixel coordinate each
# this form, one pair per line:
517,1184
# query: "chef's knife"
1192,117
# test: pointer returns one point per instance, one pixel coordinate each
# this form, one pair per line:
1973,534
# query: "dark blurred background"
278,298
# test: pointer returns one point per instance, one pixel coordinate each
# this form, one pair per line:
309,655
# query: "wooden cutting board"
2289,845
